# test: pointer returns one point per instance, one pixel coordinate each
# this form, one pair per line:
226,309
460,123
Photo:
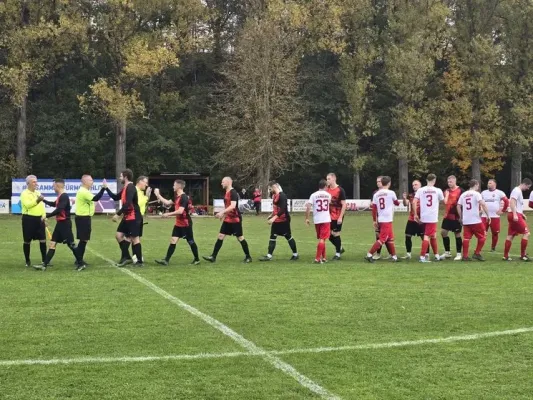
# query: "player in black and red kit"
183,226
130,225
451,223
412,228
232,222
63,230
280,221
337,209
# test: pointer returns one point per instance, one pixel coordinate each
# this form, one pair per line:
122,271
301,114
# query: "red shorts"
430,229
386,232
477,230
516,227
494,224
323,231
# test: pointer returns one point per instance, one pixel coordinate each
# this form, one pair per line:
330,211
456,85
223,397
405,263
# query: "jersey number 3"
429,200
322,205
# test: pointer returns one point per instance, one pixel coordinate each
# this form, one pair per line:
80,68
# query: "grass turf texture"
278,305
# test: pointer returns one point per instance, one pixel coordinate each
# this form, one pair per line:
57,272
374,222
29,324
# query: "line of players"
474,211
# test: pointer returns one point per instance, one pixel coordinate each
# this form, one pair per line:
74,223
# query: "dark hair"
527,181
180,182
59,180
332,174
322,184
431,177
141,178
472,183
492,180
128,174
385,180
272,183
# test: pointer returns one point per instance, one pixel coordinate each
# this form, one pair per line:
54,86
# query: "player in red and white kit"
450,223
429,198
493,199
337,210
319,202
383,204
517,221
468,208
412,228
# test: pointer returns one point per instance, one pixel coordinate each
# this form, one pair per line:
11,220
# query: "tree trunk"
403,175
476,168
120,150
356,185
516,165
22,165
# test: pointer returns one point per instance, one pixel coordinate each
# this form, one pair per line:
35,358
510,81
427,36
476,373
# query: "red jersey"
411,199
337,196
257,196
182,220
130,205
234,215
280,208
451,206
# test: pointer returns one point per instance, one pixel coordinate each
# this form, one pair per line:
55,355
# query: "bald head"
227,183
87,181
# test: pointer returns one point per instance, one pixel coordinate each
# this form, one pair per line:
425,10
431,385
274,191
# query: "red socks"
494,240
523,247
434,246
424,249
507,248
391,248
377,245
466,245
320,251
480,244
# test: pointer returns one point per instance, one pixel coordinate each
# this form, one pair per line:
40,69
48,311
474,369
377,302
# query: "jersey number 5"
468,202
322,205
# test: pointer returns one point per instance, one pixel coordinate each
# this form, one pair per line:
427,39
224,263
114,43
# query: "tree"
36,40
262,129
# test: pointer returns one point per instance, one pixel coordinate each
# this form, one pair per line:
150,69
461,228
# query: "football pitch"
274,330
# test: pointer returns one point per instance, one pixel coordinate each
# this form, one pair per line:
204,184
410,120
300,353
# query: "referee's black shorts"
63,232
33,228
83,228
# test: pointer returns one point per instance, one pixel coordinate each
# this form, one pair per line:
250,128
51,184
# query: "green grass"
101,312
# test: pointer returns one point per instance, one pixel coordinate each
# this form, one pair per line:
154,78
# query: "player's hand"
219,215
104,184
339,221
417,218
404,195
148,191
271,220
307,222
515,218
156,191
525,218
40,198
116,217
375,225
165,215
488,220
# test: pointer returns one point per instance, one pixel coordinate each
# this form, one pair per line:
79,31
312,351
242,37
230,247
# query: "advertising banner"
4,206
106,205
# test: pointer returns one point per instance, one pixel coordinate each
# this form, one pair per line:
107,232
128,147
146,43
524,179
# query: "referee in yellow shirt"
143,194
33,216
84,211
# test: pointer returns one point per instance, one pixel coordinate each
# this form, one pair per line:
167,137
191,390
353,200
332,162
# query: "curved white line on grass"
239,339
200,356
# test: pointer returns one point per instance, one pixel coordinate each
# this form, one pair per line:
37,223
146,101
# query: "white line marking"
239,339
199,356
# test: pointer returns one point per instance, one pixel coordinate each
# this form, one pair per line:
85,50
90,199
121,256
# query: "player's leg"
525,240
189,236
335,238
322,234
411,229
83,234
434,244
225,229
481,235
49,255
291,241
274,228
466,242
458,240
444,232
510,236
377,255
123,244
136,248
495,227
382,237
174,238
27,235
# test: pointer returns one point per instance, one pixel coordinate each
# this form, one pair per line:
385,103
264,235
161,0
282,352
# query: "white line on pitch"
239,339
199,356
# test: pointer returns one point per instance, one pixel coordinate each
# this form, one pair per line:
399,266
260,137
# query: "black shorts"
335,226
451,225
281,228
231,228
83,228
63,232
141,227
130,228
33,228
182,232
413,228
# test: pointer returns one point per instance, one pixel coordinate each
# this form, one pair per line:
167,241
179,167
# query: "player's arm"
506,205
415,209
183,203
405,200
512,203
98,196
130,194
485,209
282,207
62,204
459,208
161,198
342,199
308,209
30,201
395,200
49,203
446,196
233,203
114,196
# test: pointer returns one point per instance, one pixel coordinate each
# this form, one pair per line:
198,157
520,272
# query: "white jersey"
470,202
320,202
493,199
429,198
519,197
385,200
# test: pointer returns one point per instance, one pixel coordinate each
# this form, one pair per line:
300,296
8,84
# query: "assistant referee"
85,209
33,216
